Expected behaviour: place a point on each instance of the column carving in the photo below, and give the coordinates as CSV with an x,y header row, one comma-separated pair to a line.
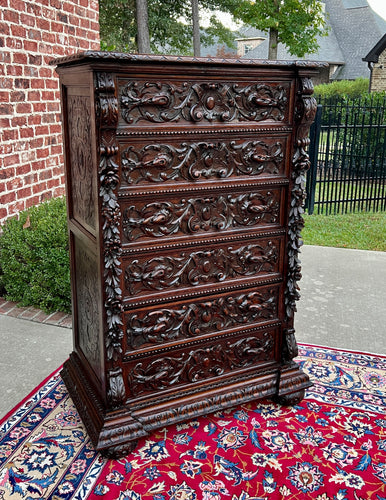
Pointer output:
x,y
304,116
107,115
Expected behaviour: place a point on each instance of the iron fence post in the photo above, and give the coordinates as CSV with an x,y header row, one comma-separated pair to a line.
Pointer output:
x,y
313,153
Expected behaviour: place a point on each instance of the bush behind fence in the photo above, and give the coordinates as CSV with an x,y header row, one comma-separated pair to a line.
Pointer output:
x,y
348,155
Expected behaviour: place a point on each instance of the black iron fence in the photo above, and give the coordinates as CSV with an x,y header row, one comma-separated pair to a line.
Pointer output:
x,y
348,156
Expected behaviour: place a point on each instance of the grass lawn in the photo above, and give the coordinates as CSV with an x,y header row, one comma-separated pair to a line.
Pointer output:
x,y
364,231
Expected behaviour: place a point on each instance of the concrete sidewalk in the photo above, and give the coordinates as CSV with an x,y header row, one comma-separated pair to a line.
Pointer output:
x,y
343,299
343,305
30,352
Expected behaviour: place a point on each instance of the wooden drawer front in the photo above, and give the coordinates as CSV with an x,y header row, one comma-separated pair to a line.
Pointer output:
x,y
148,102
183,215
152,272
198,364
148,327
167,160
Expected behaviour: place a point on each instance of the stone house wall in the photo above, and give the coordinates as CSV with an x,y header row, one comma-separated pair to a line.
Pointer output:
x,y
378,75
33,32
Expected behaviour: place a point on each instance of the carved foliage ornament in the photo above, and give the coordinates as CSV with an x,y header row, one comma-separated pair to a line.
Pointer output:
x,y
191,216
200,267
290,347
168,324
199,364
159,162
305,113
107,112
160,102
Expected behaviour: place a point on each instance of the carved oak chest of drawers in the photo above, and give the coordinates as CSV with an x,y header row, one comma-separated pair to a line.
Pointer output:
x,y
185,187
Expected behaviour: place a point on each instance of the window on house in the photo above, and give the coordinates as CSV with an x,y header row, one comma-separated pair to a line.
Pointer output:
x,y
247,48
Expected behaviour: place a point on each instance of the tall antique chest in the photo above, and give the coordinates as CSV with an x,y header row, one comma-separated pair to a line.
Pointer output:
x,y
185,191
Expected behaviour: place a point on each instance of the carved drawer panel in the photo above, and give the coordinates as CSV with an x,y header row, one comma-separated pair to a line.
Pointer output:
x,y
181,269
178,102
148,327
166,160
204,362
185,214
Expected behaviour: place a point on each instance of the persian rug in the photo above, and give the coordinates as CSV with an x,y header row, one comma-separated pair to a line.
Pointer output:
x,y
332,446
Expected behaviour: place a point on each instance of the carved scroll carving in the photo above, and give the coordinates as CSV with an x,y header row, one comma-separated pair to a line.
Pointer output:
x,y
200,267
199,364
160,102
116,390
304,115
168,324
160,162
197,215
290,347
107,114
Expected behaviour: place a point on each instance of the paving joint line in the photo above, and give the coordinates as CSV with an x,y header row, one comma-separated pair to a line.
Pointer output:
x,y
9,308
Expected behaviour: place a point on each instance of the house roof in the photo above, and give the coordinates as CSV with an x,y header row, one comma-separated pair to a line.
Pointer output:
x,y
354,29
357,29
329,50
376,51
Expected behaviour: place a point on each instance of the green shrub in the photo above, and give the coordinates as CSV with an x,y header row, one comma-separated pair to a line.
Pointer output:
x,y
364,137
342,88
34,258
358,120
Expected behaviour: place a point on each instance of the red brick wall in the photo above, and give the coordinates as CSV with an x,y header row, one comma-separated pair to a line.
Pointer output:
x,y
32,32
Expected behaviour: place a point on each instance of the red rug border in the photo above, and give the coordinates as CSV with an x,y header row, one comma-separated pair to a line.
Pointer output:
x,y
29,396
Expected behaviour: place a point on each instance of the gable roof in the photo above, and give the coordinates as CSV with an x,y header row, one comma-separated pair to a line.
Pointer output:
x,y
357,29
376,51
353,29
329,50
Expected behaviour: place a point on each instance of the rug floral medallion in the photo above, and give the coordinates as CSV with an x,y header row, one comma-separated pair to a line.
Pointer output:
x,y
332,446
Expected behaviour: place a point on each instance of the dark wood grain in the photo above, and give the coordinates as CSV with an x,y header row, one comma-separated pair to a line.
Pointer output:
x,y
185,186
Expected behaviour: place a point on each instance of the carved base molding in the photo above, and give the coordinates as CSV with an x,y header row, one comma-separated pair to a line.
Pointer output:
x,y
110,432
115,434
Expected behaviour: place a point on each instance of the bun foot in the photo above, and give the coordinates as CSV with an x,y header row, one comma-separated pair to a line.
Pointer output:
x,y
291,399
115,452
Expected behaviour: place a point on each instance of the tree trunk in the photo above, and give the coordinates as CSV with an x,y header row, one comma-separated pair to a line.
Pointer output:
x,y
272,50
143,37
196,29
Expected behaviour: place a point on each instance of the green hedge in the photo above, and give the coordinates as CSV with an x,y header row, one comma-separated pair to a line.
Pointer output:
x,y
342,88
34,258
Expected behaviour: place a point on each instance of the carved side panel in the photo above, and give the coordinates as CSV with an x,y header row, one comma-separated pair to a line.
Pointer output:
x,y
200,317
190,216
191,268
87,304
208,361
83,181
161,161
212,102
